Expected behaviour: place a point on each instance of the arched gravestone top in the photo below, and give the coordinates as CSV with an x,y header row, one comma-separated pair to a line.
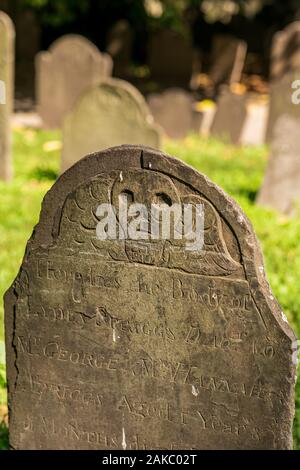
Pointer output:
x,y
144,345
72,64
113,112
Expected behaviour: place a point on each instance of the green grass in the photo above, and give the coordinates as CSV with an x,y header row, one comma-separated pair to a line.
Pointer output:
x,y
239,171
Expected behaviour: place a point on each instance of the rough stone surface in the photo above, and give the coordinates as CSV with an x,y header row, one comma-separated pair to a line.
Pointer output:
x,y
173,111
170,58
228,58
230,116
142,344
71,65
281,187
111,113
7,39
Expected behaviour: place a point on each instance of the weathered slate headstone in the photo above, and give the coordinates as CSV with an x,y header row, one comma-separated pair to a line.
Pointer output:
x,y
142,344
7,39
170,58
110,113
71,65
173,111
228,58
230,116
119,47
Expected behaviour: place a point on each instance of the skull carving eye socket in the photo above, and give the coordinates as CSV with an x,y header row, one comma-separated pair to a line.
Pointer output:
x,y
162,198
144,187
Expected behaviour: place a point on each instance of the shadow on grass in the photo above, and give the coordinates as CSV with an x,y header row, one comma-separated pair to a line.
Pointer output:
x,y
42,174
250,195
3,436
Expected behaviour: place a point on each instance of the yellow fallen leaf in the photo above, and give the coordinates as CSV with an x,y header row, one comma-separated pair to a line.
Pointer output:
x,y
52,145
204,105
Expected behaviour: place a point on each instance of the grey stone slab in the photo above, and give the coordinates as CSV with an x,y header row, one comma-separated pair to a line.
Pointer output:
x,y
142,344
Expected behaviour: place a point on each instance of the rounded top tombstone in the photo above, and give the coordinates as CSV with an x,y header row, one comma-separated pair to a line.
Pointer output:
x,y
73,41
72,64
112,112
131,342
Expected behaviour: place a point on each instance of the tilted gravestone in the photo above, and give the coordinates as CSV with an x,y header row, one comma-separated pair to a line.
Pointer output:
x,y
170,58
7,39
228,58
281,189
230,116
110,113
141,343
71,65
173,111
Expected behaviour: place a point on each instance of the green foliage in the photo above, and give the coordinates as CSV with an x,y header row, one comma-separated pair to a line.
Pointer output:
x,y
238,170
35,171
3,435
57,12
3,399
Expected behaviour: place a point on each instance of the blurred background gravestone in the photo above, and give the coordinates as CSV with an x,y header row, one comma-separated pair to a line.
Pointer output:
x,y
281,187
170,58
255,125
285,59
203,115
173,111
71,65
119,47
285,54
108,114
7,39
227,60
230,115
